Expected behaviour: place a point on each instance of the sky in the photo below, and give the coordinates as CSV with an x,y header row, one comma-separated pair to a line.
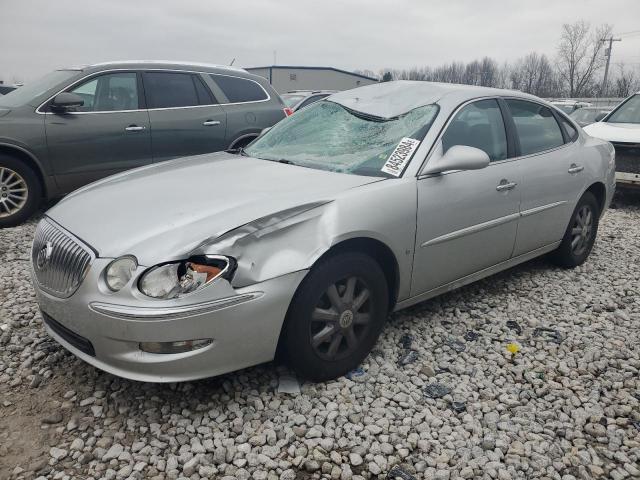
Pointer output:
x,y
37,36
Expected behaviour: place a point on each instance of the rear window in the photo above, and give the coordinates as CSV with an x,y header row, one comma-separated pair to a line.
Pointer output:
x,y
239,90
167,90
536,126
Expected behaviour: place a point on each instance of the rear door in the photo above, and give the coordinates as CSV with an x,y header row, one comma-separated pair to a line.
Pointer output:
x,y
108,134
185,116
552,173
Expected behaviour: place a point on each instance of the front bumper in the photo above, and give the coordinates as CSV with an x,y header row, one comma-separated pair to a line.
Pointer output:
x,y
105,329
627,163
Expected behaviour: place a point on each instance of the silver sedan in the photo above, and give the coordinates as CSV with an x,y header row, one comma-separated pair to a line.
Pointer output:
x,y
364,203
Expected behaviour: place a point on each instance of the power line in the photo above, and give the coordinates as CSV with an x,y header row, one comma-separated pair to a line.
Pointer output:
x,y
633,32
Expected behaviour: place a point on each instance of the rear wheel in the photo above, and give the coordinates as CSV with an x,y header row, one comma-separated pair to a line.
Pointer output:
x,y
20,191
580,235
336,316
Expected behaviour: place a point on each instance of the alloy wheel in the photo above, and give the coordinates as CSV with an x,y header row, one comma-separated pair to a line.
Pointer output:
x,y
341,319
582,230
13,192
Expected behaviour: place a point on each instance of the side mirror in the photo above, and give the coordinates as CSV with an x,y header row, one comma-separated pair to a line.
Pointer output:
x,y
458,157
65,101
600,116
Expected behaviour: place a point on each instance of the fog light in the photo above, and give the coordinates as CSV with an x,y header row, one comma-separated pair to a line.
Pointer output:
x,y
175,347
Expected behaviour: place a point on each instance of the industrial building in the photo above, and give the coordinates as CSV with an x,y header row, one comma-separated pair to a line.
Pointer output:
x,y
287,78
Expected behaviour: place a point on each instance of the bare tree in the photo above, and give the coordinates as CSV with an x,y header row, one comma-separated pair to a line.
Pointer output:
x,y
580,56
626,82
534,74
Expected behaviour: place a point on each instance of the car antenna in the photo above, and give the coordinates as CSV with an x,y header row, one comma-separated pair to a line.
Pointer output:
x,y
234,59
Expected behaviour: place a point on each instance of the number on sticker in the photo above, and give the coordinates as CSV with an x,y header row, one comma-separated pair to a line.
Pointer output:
x,y
400,156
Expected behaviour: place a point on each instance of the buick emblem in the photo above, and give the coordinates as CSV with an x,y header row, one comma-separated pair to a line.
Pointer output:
x,y
44,255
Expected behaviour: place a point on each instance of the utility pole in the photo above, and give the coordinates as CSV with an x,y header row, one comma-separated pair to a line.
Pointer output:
x,y
607,52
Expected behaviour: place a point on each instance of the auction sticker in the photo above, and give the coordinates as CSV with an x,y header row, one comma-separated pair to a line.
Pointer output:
x,y
400,156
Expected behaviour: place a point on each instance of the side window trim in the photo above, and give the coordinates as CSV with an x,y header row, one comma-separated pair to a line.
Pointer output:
x,y
513,141
42,109
142,96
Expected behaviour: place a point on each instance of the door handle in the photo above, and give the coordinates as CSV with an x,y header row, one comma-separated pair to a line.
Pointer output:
x,y
210,123
134,128
575,168
506,185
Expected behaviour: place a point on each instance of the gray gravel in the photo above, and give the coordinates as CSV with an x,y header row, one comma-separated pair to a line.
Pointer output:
x,y
567,406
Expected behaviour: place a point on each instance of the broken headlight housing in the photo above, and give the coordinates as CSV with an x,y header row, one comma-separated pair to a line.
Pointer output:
x,y
177,279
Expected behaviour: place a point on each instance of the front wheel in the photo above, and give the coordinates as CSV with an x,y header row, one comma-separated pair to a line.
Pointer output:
x,y
581,233
336,316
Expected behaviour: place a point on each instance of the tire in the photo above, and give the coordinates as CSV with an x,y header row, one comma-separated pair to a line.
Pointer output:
x,y
580,235
16,204
325,306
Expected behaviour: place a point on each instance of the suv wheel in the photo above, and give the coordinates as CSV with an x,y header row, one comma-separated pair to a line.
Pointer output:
x,y
581,233
336,316
20,191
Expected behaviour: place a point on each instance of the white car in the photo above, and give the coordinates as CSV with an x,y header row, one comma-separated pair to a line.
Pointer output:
x,y
622,128
570,106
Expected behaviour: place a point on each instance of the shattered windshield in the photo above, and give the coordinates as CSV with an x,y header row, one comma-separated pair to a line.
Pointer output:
x,y
328,136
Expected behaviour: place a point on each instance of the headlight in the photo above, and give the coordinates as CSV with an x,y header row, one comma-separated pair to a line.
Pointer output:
x,y
119,272
173,280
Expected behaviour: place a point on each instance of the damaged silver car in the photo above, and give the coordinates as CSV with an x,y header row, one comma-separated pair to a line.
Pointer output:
x,y
364,203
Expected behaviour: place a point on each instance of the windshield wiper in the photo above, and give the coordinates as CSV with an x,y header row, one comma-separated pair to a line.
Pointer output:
x,y
282,160
237,151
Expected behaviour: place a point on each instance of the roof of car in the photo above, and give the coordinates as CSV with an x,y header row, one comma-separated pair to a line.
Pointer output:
x,y
390,99
156,64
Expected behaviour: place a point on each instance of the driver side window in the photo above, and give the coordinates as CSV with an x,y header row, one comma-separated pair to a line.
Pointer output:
x,y
478,125
109,93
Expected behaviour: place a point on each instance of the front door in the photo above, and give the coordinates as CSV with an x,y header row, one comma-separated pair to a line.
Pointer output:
x,y
552,174
185,118
108,134
467,220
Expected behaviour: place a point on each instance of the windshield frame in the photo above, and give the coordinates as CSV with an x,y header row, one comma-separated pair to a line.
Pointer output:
x,y
419,135
31,92
631,97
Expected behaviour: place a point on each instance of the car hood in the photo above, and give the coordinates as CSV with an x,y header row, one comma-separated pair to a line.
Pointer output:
x,y
162,212
614,132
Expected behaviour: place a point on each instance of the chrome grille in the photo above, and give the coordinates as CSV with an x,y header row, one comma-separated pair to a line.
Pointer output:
x,y
60,262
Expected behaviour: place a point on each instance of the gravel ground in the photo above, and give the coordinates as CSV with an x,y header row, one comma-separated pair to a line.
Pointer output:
x,y
566,406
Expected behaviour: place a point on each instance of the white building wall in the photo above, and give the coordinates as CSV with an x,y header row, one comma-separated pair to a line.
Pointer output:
x,y
286,79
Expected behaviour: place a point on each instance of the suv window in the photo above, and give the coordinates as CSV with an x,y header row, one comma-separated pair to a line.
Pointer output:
x,y
536,126
479,125
108,93
169,89
240,90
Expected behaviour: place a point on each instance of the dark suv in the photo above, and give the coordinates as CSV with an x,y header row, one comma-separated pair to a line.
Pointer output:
x,y
77,125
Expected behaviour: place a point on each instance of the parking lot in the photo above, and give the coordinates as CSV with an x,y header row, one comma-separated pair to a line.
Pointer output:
x,y
567,405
